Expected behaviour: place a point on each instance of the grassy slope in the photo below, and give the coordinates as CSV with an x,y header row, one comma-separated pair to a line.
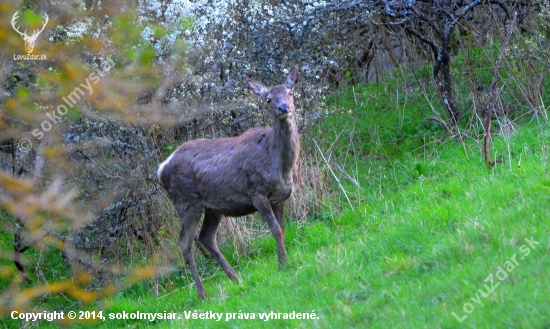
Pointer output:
x,y
429,225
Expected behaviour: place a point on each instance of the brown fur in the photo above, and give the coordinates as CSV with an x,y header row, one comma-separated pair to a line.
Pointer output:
x,y
235,177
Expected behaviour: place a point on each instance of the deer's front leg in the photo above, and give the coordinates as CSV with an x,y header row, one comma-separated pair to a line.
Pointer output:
x,y
261,203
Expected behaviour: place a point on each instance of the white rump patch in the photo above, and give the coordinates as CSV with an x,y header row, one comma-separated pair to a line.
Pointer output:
x,y
161,167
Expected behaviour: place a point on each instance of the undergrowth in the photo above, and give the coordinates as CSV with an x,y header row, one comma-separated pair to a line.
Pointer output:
x,y
423,231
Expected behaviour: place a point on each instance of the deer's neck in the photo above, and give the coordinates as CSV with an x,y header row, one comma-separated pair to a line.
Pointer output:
x,y
286,143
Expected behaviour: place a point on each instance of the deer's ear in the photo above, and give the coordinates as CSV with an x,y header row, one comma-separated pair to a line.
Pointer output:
x,y
258,88
292,78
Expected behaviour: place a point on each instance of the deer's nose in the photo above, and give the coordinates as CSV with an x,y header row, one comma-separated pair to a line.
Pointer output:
x,y
283,109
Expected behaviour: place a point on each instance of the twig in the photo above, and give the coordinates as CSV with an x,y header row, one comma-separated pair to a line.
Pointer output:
x,y
493,92
333,175
351,179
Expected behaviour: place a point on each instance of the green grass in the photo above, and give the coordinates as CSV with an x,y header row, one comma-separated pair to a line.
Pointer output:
x,y
431,223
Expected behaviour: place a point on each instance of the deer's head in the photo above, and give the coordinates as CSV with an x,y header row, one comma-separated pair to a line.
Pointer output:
x,y
29,40
280,98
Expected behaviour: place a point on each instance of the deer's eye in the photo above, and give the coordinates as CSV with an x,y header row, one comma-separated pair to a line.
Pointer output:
x,y
267,100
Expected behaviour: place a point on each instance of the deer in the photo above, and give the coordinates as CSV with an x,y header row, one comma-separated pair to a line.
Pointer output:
x,y
29,40
236,176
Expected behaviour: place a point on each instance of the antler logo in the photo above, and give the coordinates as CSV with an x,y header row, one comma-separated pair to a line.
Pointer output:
x,y
29,40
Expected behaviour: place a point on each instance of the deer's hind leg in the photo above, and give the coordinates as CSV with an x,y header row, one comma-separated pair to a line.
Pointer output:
x,y
190,216
207,238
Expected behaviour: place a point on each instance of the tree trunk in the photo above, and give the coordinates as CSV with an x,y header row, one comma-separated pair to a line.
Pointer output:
x,y
443,81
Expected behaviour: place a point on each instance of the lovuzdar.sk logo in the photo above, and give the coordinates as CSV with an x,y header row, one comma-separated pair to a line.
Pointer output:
x,y
29,39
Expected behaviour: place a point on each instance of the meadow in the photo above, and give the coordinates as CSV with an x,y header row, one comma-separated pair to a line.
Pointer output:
x,y
426,235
